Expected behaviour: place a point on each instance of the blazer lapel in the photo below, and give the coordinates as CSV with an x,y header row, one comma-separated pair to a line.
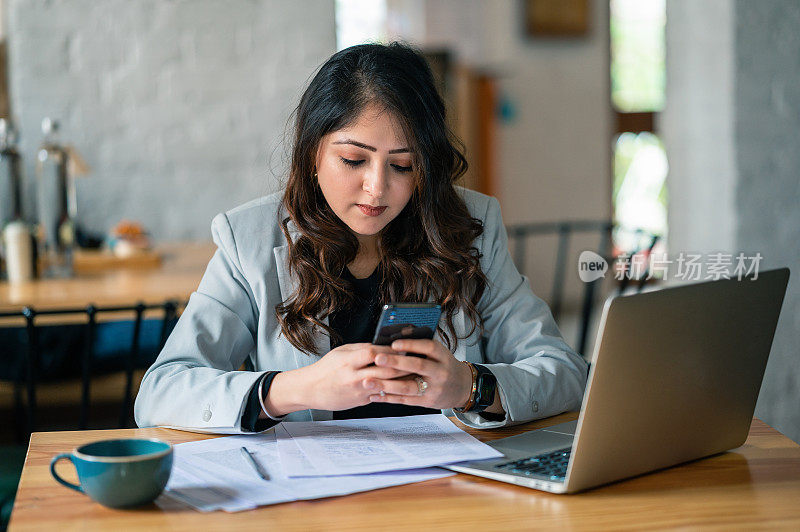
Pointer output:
x,y
288,284
460,326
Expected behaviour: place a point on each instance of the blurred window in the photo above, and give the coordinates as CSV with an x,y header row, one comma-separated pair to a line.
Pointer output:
x,y
640,192
637,94
359,21
637,55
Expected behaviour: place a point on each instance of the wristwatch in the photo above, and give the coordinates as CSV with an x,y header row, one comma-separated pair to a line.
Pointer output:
x,y
484,385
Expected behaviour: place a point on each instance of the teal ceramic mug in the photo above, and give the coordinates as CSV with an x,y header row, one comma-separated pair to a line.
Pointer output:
x,y
119,473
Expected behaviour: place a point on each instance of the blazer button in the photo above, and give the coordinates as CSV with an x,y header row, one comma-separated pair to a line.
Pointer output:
x,y
536,406
206,415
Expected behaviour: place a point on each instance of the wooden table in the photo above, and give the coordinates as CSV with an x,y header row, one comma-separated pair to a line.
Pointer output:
x,y
177,277
754,486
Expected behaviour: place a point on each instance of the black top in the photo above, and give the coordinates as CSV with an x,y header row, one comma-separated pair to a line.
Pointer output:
x,y
354,325
357,325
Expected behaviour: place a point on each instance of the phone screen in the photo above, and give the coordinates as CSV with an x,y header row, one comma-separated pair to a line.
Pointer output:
x,y
407,321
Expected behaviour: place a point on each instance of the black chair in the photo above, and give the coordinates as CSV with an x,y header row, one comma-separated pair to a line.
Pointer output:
x,y
520,234
29,362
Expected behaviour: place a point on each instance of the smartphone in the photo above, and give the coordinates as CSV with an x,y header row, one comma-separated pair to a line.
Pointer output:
x,y
400,321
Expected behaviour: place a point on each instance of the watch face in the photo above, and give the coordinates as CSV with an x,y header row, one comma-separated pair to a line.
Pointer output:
x,y
486,388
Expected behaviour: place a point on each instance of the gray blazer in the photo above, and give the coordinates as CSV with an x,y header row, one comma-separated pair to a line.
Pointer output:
x,y
195,385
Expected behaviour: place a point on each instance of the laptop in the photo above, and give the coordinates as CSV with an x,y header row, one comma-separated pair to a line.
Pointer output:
x,y
675,377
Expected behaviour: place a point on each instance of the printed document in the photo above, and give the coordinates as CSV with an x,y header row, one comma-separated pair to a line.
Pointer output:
x,y
356,446
213,475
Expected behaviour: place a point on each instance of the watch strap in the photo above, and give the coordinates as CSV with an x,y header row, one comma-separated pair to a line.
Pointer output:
x,y
485,389
472,394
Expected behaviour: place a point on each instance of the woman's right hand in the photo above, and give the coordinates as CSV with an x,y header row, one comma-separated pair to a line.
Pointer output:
x,y
337,381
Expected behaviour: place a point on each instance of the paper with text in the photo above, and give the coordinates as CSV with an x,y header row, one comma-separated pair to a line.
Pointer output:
x,y
213,475
357,446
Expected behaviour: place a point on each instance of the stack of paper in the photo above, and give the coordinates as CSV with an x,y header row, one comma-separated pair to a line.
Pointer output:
x,y
310,460
352,446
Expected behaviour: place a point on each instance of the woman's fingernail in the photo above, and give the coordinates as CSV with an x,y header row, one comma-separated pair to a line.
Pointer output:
x,y
370,384
380,359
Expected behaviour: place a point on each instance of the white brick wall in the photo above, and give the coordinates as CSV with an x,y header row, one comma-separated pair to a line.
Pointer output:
x,y
179,107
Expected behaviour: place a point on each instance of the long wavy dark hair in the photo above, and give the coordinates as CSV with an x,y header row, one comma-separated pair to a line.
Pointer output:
x,y
426,251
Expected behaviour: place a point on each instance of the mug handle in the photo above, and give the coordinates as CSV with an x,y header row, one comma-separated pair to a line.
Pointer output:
x,y
63,456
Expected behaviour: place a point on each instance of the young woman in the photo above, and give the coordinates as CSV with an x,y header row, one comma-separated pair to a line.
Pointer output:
x,y
369,215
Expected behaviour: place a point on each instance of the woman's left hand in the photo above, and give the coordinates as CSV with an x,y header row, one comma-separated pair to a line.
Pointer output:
x,y
449,381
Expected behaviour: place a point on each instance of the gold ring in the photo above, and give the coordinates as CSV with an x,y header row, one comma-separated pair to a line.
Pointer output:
x,y
421,385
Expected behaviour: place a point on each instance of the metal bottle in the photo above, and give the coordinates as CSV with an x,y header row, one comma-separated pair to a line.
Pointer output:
x,y
10,175
10,189
55,205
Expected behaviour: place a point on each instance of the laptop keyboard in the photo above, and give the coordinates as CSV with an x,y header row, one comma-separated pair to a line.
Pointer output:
x,y
552,465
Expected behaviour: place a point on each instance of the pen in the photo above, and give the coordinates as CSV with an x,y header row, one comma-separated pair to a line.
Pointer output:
x,y
252,461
